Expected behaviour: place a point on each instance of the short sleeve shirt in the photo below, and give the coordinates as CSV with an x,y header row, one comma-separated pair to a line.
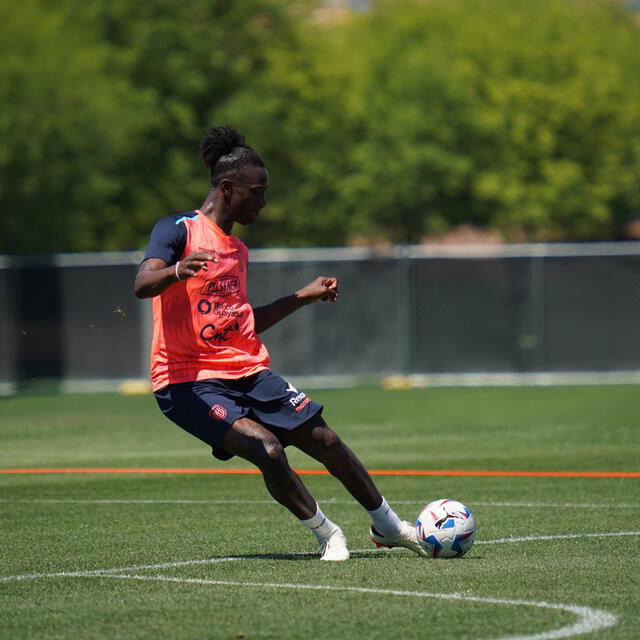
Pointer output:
x,y
203,327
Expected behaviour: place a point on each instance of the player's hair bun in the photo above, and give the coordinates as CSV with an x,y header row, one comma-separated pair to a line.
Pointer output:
x,y
218,142
225,152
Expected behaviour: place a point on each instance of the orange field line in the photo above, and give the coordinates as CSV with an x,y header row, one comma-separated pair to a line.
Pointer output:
x,y
322,472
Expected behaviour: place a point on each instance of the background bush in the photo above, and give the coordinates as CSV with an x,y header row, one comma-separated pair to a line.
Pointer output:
x,y
390,123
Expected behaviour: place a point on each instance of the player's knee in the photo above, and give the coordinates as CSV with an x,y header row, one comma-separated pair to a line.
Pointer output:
x,y
327,444
268,454
272,452
331,440
256,445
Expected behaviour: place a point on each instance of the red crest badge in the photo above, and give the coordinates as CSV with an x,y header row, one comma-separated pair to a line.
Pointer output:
x,y
218,412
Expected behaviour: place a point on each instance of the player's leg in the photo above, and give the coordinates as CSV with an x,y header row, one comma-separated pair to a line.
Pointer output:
x,y
253,442
320,442
209,411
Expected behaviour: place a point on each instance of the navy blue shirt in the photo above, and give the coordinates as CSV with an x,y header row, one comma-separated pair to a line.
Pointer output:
x,y
169,238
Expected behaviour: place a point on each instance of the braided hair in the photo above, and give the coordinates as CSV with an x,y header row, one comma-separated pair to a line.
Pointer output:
x,y
225,153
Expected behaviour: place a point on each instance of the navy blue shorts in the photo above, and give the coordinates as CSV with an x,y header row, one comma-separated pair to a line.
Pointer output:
x,y
208,408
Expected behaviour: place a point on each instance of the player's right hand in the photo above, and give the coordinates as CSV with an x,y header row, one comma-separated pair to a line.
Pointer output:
x,y
193,263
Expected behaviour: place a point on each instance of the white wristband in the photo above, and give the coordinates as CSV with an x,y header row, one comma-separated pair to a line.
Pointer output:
x,y
176,270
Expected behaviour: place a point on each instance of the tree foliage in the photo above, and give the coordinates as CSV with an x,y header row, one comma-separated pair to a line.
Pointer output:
x,y
391,123
65,123
417,116
106,102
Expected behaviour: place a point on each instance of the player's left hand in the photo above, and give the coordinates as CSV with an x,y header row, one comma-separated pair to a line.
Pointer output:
x,y
322,288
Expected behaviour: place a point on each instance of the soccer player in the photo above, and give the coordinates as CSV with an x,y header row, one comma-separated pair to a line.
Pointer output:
x,y
209,369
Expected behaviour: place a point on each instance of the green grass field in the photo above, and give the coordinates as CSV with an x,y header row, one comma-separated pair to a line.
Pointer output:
x,y
211,556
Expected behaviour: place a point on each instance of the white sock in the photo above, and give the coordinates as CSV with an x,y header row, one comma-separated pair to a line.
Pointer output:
x,y
321,527
385,520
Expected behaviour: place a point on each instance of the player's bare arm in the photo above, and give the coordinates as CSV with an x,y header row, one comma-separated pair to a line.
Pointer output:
x,y
322,288
155,275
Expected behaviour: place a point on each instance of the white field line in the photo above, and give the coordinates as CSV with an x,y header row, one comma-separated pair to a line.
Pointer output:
x,y
97,572
560,505
185,563
589,620
529,505
565,536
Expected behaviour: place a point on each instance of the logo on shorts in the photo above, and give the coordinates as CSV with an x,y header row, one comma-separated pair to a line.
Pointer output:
x,y
218,412
300,401
303,404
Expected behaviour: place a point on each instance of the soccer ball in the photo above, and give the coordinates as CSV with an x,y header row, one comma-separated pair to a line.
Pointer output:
x,y
446,529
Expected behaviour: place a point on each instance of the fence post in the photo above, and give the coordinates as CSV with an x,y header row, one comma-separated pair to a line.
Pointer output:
x,y
406,309
538,321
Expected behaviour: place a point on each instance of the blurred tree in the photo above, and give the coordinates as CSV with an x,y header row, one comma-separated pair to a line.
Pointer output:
x,y
416,116
105,103
191,56
390,123
65,121
296,114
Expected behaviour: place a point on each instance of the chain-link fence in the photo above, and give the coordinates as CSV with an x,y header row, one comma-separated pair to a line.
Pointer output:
x,y
481,314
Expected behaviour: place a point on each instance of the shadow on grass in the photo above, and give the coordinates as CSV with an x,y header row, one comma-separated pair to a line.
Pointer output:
x,y
306,556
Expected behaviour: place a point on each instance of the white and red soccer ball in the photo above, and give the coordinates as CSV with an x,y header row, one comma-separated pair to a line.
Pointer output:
x,y
446,529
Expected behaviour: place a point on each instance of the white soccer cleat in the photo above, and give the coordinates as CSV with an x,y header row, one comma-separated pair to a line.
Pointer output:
x,y
334,549
407,538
